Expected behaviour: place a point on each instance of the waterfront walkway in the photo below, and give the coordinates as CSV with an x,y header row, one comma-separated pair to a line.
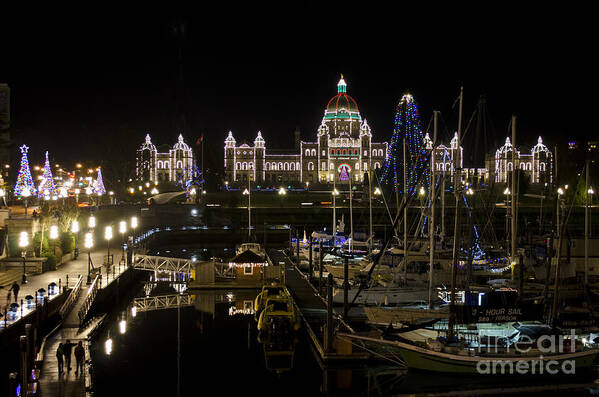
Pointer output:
x,y
72,269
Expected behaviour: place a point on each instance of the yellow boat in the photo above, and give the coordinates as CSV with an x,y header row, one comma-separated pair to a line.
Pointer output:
x,y
268,291
278,319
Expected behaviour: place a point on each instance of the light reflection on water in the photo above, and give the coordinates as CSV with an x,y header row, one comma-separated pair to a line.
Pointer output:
x,y
206,341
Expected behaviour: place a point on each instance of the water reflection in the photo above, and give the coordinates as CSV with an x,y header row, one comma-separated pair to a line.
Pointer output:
x,y
170,341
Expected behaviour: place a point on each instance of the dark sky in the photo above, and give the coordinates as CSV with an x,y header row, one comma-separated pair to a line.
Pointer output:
x,y
90,87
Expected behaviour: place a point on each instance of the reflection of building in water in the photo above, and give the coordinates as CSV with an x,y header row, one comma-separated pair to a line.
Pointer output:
x,y
237,303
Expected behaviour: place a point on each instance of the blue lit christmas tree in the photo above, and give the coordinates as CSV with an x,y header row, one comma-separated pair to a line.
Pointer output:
x,y
24,182
407,125
47,186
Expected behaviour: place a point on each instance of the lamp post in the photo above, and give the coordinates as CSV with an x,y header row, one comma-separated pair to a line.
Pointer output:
x,y
75,231
54,236
507,211
108,237
26,193
23,243
123,230
91,223
133,227
89,243
335,193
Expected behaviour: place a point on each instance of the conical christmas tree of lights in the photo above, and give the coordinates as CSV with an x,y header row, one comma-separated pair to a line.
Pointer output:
x,y
99,185
24,180
47,186
407,125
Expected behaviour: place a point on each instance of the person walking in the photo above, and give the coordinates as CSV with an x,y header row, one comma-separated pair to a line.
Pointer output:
x,y
79,358
59,354
67,348
15,290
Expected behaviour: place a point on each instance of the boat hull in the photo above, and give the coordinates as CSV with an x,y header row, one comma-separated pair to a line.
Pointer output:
x,y
563,364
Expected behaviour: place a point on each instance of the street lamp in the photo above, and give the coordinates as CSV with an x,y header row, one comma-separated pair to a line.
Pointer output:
x,y
377,191
89,243
282,191
75,231
92,222
123,230
54,236
23,243
108,237
469,192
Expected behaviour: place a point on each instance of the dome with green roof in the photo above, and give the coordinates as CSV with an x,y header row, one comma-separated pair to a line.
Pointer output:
x,y
342,106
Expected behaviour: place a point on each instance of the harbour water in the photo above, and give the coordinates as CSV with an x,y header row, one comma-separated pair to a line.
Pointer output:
x,y
208,344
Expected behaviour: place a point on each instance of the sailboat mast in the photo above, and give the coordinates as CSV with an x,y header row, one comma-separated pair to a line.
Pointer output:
x,y
351,216
457,187
514,199
370,209
586,225
334,214
405,214
249,205
431,232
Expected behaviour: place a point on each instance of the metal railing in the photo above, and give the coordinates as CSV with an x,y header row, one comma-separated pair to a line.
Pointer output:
x,y
95,286
162,302
72,299
161,263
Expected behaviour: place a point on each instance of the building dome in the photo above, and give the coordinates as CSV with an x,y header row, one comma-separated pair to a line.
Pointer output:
x,y
342,106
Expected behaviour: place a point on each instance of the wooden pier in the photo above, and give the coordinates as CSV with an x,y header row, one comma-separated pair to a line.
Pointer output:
x,y
317,315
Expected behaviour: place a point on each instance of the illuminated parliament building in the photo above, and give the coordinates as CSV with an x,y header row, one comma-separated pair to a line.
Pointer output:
x,y
343,142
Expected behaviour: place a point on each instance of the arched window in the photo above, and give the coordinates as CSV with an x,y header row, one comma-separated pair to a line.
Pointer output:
x,y
331,166
307,152
365,167
291,167
179,164
238,166
344,152
159,164
332,151
313,152
323,166
297,165
542,167
338,152
267,166
250,166
280,166
357,166
509,167
529,166
310,166
377,165
522,166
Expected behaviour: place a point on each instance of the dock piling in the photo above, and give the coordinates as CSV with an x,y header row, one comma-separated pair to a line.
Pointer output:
x,y
345,287
310,261
320,267
329,335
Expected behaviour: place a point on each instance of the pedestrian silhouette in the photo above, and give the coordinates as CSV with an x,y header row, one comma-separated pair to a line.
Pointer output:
x,y
15,290
79,358
67,348
59,354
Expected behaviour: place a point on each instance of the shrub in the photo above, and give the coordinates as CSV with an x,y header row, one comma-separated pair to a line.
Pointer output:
x,y
36,243
67,242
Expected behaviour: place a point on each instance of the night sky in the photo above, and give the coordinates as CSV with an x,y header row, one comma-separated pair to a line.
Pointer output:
x,y
91,87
